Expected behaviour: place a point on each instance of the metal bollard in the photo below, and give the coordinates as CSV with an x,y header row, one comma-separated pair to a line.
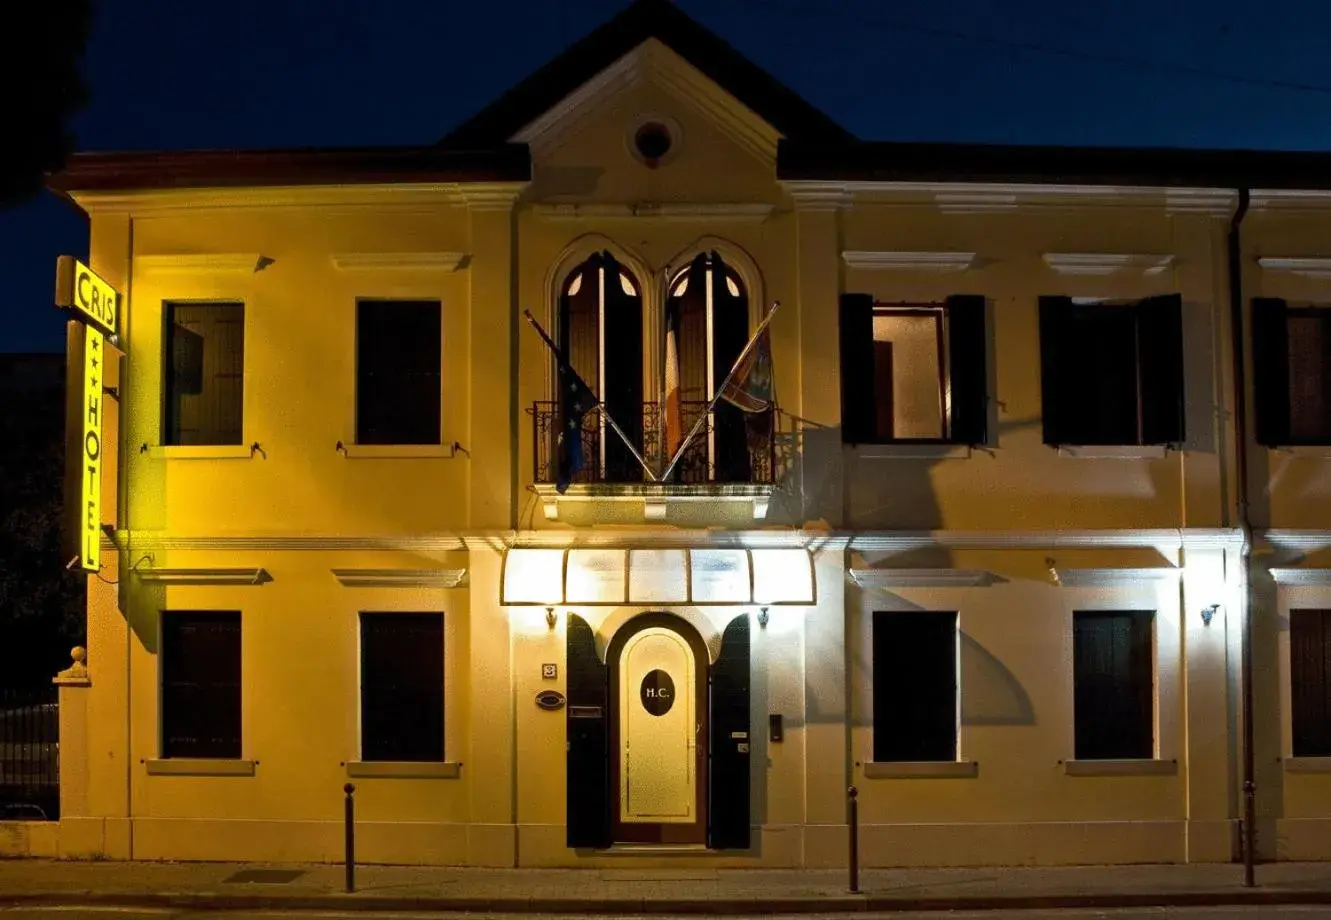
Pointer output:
x,y
350,790
853,824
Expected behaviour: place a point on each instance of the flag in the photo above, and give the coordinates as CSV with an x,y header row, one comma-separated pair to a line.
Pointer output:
x,y
575,400
674,409
750,389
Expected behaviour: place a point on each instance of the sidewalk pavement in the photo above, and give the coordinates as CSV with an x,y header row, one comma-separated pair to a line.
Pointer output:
x,y
221,886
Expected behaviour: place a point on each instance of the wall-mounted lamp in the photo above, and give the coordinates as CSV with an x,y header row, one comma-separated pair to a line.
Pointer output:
x,y
1208,613
763,618
1053,571
550,619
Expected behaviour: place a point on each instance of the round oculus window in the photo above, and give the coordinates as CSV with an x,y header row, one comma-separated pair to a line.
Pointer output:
x,y
652,141
657,692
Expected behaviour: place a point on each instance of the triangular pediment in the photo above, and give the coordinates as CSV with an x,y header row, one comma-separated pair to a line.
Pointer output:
x,y
652,40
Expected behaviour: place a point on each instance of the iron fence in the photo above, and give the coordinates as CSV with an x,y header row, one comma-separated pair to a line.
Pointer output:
x,y
29,754
729,447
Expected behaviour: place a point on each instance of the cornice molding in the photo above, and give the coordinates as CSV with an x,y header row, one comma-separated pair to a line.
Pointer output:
x,y
740,212
1266,199
407,196
933,262
218,576
1116,578
1301,578
1295,540
1107,263
996,197
491,196
398,261
1308,266
196,264
921,578
401,578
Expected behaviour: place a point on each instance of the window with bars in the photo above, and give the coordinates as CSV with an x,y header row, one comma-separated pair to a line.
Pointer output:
x,y
204,374
1310,681
402,687
398,372
1113,671
200,693
914,686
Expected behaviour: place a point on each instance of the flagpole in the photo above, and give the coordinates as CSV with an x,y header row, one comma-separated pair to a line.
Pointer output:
x,y
679,452
600,405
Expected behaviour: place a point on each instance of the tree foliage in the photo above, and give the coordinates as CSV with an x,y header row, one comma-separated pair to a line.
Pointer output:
x,y
41,87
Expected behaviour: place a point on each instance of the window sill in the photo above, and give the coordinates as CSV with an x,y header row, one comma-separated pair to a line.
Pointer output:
x,y
907,451
1308,764
393,769
922,769
397,451
1120,767
200,766
1113,452
1305,452
201,452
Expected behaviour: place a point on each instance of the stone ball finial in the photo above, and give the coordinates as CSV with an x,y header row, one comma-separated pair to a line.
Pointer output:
x,y
79,654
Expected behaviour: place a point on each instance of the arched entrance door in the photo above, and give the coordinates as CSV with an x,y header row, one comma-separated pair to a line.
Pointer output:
x,y
658,731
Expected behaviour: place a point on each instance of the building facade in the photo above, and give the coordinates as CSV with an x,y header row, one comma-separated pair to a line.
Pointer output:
x,y
988,561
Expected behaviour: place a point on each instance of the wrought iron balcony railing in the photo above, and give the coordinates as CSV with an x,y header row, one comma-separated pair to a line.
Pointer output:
x,y
730,447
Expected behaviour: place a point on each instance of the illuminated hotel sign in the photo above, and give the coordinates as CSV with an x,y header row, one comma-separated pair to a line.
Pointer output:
x,y
95,308
94,301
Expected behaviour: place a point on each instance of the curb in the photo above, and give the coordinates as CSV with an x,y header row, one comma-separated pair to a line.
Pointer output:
x,y
863,903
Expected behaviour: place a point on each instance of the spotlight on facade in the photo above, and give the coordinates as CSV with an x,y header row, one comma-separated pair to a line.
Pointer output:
x,y
763,618
550,618
1208,613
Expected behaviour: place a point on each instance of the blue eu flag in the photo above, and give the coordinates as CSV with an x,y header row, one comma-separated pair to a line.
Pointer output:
x,y
575,401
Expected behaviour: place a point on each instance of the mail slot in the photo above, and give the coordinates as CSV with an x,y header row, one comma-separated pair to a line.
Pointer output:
x,y
584,712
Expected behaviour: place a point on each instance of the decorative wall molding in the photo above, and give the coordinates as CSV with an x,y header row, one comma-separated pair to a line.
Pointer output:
x,y
399,261
401,578
655,499
1296,540
1107,263
1116,578
197,264
921,578
1000,197
221,576
1303,578
939,262
1307,266
1290,199
738,212
946,769
491,196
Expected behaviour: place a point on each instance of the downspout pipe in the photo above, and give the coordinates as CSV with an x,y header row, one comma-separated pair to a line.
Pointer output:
x,y
1249,824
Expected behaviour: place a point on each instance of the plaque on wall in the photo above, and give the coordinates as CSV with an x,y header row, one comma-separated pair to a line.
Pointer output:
x,y
550,700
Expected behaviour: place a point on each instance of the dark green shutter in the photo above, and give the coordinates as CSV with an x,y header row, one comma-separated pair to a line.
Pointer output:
x,y
968,351
914,686
1113,686
1160,364
588,757
858,414
1057,394
622,390
1270,370
1310,681
729,745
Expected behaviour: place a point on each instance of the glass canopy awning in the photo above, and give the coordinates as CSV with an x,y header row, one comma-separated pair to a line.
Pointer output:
x,y
590,577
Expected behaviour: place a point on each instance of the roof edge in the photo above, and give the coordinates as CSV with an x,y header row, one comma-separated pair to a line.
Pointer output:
x,y
164,169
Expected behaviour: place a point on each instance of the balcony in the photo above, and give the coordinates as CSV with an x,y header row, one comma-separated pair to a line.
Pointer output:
x,y
729,459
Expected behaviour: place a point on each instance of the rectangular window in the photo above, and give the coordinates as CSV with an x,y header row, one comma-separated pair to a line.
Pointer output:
x,y
1112,374
200,668
914,686
402,686
1292,371
205,374
1113,672
398,371
914,372
1310,681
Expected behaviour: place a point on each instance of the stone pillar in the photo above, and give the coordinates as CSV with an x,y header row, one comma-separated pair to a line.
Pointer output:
x,y
826,713
75,837
489,767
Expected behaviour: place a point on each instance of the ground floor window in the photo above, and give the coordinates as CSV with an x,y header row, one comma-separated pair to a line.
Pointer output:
x,y
914,686
1113,673
402,686
200,668
1310,681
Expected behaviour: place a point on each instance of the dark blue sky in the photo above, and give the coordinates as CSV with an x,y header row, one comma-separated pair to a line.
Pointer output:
x,y
269,73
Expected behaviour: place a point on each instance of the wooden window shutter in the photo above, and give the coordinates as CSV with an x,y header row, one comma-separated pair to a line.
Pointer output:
x,y
729,768
914,686
1160,364
398,372
1270,370
201,693
1310,681
402,686
588,796
858,410
968,350
1057,395
1113,679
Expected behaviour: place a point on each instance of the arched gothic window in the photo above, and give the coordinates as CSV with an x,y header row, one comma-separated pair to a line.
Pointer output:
x,y
600,329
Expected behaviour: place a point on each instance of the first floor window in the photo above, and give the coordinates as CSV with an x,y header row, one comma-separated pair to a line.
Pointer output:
x,y
913,372
1292,373
1310,681
1112,374
205,374
402,686
1113,671
914,686
200,671
398,372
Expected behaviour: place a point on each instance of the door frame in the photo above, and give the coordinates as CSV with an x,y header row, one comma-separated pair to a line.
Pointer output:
x,y
665,832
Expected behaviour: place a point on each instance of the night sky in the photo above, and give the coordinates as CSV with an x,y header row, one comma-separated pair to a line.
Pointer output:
x,y
273,73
